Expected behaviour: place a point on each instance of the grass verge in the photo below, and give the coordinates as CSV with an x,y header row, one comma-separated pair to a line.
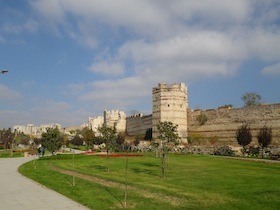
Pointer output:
x,y
191,182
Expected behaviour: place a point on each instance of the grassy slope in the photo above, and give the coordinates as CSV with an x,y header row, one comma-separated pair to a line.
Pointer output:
x,y
191,182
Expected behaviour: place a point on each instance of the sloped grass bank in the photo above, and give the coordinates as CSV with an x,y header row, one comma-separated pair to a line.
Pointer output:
x,y
191,182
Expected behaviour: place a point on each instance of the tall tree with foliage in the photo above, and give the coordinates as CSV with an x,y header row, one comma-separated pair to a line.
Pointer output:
x,y
264,137
251,99
77,140
168,136
148,134
108,136
7,138
21,138
244,136
120,141
88,136
52,139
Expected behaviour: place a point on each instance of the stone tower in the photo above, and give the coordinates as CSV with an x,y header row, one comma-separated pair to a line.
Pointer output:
x,y
170,103
115,118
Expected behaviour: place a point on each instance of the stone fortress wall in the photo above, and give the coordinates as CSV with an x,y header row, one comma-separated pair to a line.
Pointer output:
x,y
33,130
223,123
170,103
138,124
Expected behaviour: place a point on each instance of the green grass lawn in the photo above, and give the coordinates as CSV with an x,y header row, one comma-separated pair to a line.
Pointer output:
x,y
7,154
191,182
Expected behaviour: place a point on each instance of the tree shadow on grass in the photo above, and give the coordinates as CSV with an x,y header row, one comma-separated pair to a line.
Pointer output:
x,y
99,167
114,196
150,165
69,180
145,171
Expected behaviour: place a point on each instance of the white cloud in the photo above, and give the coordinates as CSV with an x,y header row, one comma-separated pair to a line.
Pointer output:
x,y
117,93
74,89
208,11
142,42
273,70
9,118
12,28
30,26
8,94
109,69
52,10
45,111
50,111
264,44
2,40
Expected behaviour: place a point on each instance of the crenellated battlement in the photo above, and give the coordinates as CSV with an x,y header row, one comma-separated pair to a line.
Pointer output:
x,y
177,87
136,115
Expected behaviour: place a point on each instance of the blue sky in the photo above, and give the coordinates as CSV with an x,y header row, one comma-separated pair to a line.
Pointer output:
x,y
70,59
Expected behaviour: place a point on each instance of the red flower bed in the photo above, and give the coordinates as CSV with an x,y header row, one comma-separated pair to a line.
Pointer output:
x,y
120,155
89,153
112,154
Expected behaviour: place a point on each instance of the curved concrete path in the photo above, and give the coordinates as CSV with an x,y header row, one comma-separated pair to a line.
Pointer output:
x,y
19,192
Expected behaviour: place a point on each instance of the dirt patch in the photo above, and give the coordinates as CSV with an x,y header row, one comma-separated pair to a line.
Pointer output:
x,y
145,193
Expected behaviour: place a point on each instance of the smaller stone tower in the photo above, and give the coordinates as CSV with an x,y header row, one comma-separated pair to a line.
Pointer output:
x,y
170,103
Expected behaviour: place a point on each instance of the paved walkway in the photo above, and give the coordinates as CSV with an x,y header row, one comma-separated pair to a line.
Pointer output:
x,y
19,192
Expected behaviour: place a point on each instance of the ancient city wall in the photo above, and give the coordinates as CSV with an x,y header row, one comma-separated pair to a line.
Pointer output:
x,y
138,124
170,103
223,123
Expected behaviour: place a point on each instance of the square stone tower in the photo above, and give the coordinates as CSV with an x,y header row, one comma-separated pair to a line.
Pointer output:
x,y
115,118
170,103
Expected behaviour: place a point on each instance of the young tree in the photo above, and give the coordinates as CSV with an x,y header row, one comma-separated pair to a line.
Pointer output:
x,y
52,139
251,99
108,136
264,137
244,136
168,136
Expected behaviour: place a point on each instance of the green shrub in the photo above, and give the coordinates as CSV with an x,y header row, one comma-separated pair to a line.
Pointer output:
x,y
196,139
224,151
202,119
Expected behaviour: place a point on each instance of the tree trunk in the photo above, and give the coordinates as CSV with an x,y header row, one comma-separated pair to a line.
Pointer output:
x,y
126,168
107,160
73,167
163,164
